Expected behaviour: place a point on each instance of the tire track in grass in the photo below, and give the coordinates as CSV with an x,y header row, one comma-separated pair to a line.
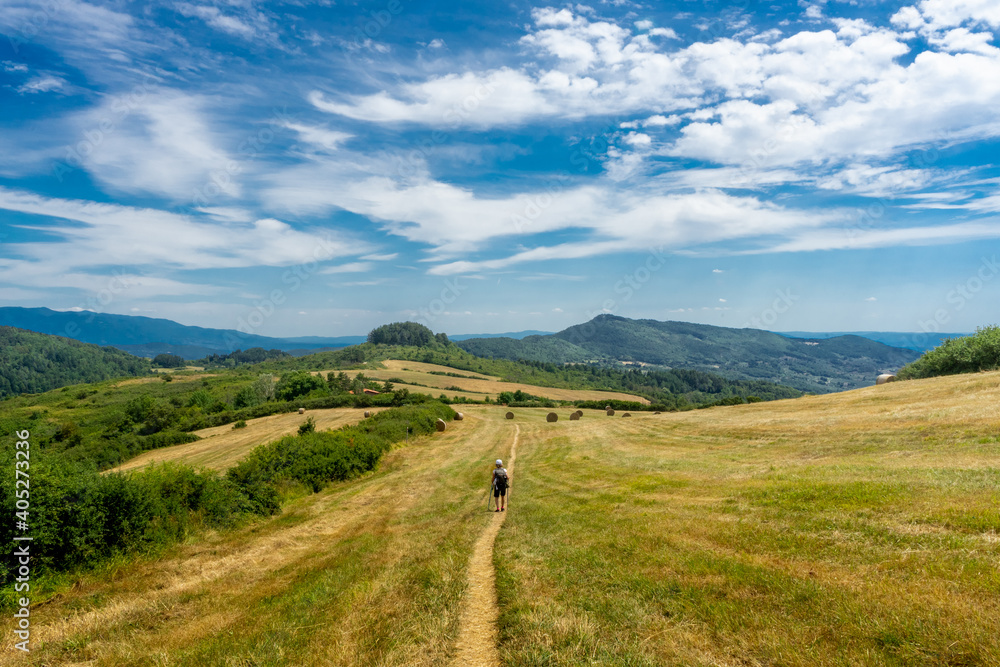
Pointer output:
x,y
477,636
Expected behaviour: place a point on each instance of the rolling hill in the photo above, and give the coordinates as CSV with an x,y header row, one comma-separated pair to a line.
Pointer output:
x,y
32,362
150,336
816,365
856,528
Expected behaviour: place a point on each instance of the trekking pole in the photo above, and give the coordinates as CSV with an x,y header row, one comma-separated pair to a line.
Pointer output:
x,y
489,497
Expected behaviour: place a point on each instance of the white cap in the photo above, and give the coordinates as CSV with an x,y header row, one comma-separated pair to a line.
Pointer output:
x,y
499,463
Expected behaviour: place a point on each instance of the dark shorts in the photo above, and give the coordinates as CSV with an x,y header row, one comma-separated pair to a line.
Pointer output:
x,y
499,492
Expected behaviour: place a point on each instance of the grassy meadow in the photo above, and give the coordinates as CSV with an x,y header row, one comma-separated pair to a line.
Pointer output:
x,y
420,377
858,528
221,447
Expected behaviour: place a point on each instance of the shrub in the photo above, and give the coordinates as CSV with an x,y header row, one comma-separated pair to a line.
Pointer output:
x,y
968,354
240,424
298,383
308,426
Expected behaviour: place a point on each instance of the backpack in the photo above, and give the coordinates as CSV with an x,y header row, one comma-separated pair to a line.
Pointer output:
x,y
500,478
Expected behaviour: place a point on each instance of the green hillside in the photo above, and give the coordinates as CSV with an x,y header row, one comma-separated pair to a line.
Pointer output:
x,y
666,388
32,362
833,364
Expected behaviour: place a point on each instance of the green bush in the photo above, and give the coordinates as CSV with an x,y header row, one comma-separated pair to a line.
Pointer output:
x,y
968,354
240,424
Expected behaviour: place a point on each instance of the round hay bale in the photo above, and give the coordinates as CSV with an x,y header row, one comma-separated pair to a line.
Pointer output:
x,y
656,413
575,417
607,407
509,415
441,426
459,416
579,412
627,414
551,417
368,413
302,411
611,412
885,377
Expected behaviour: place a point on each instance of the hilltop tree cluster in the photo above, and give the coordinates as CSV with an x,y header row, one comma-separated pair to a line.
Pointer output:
x,y
405,333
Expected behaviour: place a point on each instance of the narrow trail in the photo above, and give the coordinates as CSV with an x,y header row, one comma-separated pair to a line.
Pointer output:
x,y
477,637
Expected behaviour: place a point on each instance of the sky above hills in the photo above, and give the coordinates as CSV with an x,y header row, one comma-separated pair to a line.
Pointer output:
x,y
311,168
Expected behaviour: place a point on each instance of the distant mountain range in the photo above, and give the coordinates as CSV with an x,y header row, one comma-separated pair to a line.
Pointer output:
x,y
817,365
148,336
921,342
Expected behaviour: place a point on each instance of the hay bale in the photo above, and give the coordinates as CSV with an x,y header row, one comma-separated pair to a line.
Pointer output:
x,y
579,412
885,377
302,411
607,407
459,416
509,415
627,414
575,417
441,426
368,413
656,413
551,417
611,412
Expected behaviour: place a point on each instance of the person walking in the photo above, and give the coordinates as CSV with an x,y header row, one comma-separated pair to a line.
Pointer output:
x,y
501,481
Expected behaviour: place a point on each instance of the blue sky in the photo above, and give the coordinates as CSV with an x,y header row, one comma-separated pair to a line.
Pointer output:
x,y
312,168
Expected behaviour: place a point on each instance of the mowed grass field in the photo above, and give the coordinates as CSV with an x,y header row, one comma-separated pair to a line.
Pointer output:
x,y
222,447
418,377
850,529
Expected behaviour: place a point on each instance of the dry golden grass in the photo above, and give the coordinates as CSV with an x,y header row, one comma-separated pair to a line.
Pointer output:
x,y
419,373
222,447
849,529
369,572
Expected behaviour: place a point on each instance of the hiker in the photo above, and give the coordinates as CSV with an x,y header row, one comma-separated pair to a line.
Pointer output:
x,y
501,480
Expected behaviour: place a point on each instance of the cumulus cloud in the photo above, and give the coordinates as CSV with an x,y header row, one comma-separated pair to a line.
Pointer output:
x,y
812,96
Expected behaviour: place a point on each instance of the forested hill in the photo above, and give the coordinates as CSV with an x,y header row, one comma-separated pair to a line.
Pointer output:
x,y
833,364
32,362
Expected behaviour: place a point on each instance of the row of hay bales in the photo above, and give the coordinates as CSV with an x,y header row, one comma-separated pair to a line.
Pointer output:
x,y
553,417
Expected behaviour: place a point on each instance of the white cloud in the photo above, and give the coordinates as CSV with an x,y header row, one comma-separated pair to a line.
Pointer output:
x,y
932,15
319,137
350,267
250,25
163,145
42,84
91,236
811,97
871,298
436,44
717,271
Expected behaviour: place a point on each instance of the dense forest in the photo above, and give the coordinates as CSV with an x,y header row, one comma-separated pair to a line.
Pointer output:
x,y
254,355
32,362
